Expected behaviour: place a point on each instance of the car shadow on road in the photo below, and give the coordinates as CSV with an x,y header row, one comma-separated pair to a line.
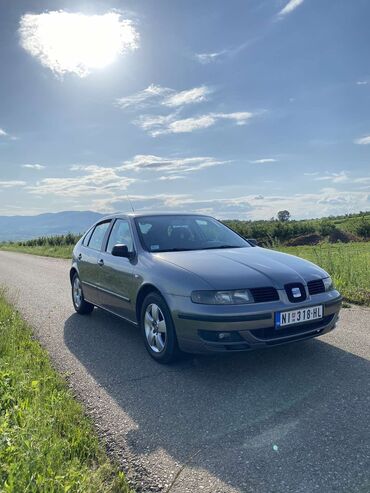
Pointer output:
x,y
292,418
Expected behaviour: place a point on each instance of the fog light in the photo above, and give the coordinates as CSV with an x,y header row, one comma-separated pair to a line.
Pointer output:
x,y
220,337
224,335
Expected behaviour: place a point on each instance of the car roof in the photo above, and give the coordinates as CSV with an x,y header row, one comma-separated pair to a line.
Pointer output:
x,y
149,213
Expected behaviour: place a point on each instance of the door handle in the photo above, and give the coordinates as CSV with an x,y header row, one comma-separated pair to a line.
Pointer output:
x,y
80,256
101,262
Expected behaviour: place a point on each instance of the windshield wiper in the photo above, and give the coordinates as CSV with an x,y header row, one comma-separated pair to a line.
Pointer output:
x,y
221,246
172,250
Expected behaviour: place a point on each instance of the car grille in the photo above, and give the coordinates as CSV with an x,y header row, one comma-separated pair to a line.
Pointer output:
x,y
261,295
316,287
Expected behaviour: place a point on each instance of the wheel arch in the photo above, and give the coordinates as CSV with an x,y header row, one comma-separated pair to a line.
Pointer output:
x,y
72,272
142,294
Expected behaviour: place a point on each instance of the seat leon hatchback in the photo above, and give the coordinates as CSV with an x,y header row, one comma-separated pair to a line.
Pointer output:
x,y
192,284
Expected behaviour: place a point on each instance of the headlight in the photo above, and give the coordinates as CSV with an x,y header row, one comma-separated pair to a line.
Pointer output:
x,y
237,297
328,283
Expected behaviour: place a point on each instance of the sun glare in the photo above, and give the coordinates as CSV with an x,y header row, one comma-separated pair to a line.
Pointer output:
x,y
77,43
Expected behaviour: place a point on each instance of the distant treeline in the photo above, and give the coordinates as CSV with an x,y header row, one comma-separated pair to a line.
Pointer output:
x,y
52,241
340,228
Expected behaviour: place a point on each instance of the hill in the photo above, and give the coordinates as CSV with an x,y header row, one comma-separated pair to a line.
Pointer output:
x,y
16,228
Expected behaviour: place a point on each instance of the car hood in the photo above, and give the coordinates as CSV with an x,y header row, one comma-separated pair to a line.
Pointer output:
x,y
237,268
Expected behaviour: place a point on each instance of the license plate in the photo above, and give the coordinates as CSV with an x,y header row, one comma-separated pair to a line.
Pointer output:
x,y
282,319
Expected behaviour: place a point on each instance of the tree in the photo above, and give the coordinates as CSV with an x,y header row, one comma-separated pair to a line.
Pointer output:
x,y
283,216
326,227
363,228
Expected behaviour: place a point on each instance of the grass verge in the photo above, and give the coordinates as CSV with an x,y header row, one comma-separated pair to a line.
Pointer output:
x,y
63,251
47,444
347,263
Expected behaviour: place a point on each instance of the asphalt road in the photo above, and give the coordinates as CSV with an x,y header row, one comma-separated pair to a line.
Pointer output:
x,y
288,419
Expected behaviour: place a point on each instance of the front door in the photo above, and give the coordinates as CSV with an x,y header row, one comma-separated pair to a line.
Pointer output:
x,y
117,273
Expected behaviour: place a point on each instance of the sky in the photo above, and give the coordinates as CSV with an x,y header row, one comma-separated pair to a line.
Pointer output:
x,y
237,109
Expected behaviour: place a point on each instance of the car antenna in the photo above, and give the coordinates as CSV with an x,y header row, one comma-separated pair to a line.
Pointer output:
x,y
132,207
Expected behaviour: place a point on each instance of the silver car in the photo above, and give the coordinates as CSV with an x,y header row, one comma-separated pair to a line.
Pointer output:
x,y
191,284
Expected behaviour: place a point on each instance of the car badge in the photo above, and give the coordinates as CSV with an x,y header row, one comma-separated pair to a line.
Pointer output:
x,y
296,292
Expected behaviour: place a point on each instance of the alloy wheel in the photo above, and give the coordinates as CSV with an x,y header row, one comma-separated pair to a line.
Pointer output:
x,y
155,328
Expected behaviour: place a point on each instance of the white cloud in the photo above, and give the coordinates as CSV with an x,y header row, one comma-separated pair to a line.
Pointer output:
x,y
340,177
171,177
74,42
362,179
172,123
157,95
264,160
190,96
96,181
169,124
12,183
3,133
187,125
205,58
363,140
151,95
154,124
362,82
289,7
176,165
37,167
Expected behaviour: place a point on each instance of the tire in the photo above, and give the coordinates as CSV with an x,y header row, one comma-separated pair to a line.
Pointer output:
x,y
158,329
80,305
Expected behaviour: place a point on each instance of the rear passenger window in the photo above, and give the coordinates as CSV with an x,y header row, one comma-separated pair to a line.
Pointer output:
x,y
96,240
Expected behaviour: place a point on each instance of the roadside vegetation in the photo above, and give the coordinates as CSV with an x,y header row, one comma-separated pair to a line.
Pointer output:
x,y
47,444
345,229
340,245
348,264
60,246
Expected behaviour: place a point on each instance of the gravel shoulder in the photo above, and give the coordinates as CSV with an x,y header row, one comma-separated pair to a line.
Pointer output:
x,y
291,419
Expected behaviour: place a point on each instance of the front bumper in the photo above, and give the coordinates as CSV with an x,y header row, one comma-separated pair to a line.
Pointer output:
x,y
251,326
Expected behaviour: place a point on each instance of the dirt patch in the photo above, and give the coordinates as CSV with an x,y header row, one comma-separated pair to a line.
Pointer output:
x,y
309,239
342,236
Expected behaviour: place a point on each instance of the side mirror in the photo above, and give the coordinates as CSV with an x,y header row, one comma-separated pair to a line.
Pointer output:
x,y
121,251
252,241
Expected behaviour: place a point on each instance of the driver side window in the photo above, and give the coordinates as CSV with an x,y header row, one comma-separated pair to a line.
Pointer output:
x,y
120,235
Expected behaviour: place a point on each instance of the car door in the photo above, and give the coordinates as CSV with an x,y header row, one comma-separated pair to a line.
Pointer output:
x,y
88,266
117,273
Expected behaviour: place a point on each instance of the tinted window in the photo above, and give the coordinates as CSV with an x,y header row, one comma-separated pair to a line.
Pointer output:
x,y
165,233
120,235
96,240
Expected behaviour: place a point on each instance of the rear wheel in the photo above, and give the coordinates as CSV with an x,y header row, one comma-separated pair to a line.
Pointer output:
x,y
158,329
80,305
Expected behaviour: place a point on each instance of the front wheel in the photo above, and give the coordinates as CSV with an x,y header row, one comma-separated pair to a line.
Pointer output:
x,y
158,329
80,305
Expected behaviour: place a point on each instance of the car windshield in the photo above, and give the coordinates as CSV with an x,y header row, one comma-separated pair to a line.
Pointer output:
x,y
179,233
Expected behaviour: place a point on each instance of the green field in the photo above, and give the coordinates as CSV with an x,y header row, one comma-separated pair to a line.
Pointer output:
x,y
347,263
47,444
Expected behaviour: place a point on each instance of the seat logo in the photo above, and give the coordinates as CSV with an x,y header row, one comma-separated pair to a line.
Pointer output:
x,y
296,293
